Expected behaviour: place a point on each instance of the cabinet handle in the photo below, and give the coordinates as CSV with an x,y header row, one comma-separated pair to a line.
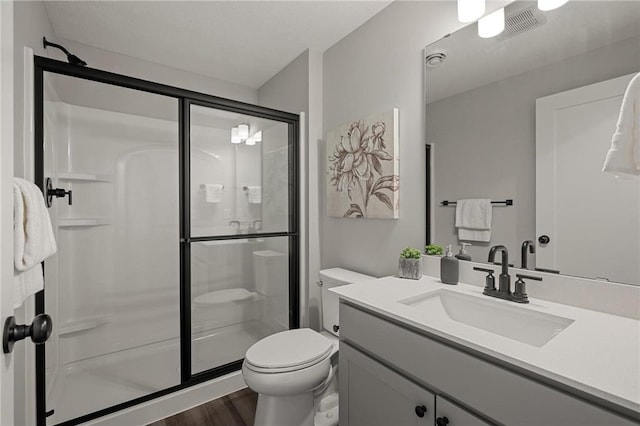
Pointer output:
x,y
336,328
442,421
420,410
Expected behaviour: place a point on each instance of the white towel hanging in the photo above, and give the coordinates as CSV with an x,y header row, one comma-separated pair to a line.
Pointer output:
x,y
213,192
624,155
473,219
254,194
33,239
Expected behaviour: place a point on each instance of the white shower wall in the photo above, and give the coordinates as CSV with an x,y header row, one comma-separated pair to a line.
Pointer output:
x,y
116,266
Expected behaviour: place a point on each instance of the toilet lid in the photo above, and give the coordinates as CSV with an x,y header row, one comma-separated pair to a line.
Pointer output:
x,y
289,349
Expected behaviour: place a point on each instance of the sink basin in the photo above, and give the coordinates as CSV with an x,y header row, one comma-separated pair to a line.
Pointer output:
x,y
514,322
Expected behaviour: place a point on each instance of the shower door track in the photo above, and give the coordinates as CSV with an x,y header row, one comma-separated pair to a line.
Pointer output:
x,y
185,98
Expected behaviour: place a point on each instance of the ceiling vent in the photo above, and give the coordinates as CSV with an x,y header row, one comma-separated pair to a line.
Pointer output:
x,y
436,58
522,21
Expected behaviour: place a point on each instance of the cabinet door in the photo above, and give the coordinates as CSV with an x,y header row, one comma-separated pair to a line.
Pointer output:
x,y
373,395
450,414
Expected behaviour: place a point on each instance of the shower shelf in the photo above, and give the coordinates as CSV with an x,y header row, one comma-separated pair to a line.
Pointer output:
x,y
86,177
73,327
70,222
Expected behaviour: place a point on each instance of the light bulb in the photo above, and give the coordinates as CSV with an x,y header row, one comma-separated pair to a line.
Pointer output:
x,y
546,5
250,141
235,135
470,10
243,131
492,24
257,136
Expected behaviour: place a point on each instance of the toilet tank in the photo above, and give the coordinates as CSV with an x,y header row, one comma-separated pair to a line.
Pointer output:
x,y
330,278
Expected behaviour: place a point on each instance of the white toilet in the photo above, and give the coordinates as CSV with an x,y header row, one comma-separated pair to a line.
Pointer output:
x,y
294,372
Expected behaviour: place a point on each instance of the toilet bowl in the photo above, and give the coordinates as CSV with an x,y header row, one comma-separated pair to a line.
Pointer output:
x,y
294,372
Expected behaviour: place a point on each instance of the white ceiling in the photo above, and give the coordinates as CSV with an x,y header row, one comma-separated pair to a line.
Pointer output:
x,y
244,42
576,28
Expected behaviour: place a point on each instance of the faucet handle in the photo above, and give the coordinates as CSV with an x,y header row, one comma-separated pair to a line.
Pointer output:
x,y
520,293
490,280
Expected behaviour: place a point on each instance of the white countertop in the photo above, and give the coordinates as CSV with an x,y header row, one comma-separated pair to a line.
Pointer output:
x,y
598,353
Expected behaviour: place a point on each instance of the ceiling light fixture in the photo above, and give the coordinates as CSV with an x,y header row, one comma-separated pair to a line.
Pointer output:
x,y
235,135
240,133
546,5
470,10
243,131
492,24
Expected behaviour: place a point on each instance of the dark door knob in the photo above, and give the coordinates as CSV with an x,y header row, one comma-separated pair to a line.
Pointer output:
x,y
544,239
442,421
336,328
39,331
420,410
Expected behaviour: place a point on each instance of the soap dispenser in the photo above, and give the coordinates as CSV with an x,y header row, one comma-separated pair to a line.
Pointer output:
x,y
463,255
449,267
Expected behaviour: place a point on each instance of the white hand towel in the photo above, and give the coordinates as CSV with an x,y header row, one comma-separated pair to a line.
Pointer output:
x,y
254,194
624,155
213,192
33,239
473,219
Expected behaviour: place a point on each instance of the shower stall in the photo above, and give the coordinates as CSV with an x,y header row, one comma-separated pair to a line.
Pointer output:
x,y
176,218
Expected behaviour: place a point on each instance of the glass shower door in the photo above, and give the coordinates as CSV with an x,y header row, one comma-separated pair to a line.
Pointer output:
x,y
176,217
113,287
241,233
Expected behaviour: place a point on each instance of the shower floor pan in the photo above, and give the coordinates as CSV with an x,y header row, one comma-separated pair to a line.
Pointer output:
x,y
93,384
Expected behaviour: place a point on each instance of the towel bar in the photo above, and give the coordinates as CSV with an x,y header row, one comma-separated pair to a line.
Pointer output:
x,y
507,202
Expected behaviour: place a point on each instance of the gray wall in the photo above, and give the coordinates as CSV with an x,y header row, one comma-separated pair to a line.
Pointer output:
x,y
484,142
298,88
373,69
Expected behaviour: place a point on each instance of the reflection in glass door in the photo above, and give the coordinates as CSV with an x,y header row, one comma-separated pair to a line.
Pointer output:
x,y
240,226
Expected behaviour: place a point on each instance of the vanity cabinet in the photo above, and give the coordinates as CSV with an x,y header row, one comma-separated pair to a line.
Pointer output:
x,y
372,394
450,414
387,368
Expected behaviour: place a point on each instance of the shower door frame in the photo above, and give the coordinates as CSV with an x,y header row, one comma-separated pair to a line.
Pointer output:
x,y
185,99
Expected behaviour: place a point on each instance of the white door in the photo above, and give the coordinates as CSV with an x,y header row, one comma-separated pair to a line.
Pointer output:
x,y
592,218
6,204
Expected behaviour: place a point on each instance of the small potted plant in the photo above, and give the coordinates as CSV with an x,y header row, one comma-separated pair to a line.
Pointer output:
x,y
410,264
434,250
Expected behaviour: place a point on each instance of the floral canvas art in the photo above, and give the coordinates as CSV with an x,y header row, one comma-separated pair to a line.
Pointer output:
x,y
362,168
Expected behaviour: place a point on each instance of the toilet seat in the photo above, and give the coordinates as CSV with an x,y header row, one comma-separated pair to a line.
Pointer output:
x,y
287,351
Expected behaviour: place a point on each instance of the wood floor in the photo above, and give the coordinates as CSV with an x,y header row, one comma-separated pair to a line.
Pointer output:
x,y
236,409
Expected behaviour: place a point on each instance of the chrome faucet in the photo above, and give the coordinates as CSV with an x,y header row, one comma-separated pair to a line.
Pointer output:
x,y
523,252
504,281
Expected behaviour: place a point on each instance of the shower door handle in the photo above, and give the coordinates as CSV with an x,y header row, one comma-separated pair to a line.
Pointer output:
x,y
50,192
39,331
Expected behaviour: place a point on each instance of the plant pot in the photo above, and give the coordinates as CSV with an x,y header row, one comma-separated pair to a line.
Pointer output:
x,y
410,268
